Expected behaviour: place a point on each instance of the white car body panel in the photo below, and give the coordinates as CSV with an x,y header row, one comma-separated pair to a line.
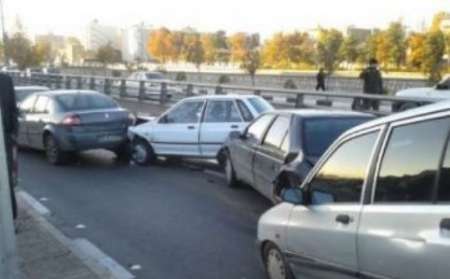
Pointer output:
x,y
433,93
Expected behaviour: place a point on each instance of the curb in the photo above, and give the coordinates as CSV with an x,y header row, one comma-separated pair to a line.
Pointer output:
x,y
99,263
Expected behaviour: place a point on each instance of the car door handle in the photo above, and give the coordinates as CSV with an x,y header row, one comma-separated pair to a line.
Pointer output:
x,y
445,224
234,126
344,219
191,127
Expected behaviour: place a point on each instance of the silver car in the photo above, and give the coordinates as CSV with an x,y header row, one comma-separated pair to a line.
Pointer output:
x,y
376,205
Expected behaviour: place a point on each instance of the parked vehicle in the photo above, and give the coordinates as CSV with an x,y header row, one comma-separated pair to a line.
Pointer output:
x,y
376,205
153,82
24,91
196,127
281,147
432,94
68,121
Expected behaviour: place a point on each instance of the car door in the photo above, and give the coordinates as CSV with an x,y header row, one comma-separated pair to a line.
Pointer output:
x,y
25,113
400,234
221,117
269,156
243,150
37,121
177,131
321,236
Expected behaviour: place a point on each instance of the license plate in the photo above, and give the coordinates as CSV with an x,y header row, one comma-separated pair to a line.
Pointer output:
x,y
109,138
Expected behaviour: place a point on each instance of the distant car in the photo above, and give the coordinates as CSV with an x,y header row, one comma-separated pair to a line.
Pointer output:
x,y
67,121
24,91
153,82
437,93
194,127
376,205
281,147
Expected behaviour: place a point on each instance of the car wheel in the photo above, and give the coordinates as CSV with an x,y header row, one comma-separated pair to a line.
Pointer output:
x,y
53,152
275,264
230,173
142,152
123,153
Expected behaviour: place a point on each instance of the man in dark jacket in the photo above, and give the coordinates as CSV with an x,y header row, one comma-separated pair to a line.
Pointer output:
x,y
373,83
321,80
10,115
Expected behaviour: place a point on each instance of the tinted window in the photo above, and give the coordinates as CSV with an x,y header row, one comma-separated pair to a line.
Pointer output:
x,y
246,114
444,181
320,133
186,112
222,111
72,102
257,129
409,166
277,132
41,104
260,105
341,178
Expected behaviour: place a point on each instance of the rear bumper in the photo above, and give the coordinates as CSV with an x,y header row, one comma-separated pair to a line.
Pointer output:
x,y
72,141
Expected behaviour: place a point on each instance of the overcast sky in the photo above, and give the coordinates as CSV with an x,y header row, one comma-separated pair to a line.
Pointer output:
x,y
266,17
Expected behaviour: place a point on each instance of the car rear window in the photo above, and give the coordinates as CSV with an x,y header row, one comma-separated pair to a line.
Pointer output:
x,y
320,133
72,102
260,105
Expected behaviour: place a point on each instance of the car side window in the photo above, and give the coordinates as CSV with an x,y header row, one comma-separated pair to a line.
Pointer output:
x,y
186,112
444,177
222,112
257,129
410,162
27,105
246,114
277,132
41,105
341,177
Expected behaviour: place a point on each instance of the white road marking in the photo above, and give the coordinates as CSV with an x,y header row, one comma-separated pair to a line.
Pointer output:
x,y
80,227
135,267
43,199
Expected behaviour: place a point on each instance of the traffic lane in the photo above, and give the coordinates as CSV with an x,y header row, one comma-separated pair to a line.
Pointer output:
x,y
174,221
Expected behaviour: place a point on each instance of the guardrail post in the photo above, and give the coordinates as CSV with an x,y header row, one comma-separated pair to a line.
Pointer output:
x,y
58,82
257,92
68,82
163,95
219,90
299,101
92,83
190,90
123,88
79,83
107,86
141,95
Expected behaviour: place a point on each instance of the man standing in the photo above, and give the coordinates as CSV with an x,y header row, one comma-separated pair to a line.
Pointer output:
x,y
373,83
321,80
10,115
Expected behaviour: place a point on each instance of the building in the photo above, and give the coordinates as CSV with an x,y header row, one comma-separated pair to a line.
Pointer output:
x,y
73,52
134,43
99,35
56,42
360,34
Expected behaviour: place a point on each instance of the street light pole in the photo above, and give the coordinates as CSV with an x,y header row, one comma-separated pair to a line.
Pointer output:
x,y
4,36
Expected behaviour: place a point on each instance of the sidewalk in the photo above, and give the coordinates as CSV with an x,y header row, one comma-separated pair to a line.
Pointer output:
x,y
41,254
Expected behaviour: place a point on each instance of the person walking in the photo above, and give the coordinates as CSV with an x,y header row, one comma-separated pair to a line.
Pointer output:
x,y
321,80
373,84
10,115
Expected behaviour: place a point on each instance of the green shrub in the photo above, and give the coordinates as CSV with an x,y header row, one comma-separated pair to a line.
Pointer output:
x,y
290,84
181,76
224,79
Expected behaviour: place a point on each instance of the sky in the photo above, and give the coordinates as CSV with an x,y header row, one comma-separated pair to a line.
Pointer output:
x,y
266,17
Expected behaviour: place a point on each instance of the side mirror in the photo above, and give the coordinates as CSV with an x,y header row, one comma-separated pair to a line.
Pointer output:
x,y
293,195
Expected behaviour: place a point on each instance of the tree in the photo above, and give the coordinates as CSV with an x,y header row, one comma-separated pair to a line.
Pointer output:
x,y
396,43
245,51
177,41
382,49
416,50
222,49
350,49
434,48
160,45
194,52
20,50
108,55
437,20
43,52
328,46
275,52
209,47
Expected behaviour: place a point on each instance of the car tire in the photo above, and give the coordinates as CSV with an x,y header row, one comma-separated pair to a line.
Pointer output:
x,y
275,264
142,152
123,153
230,173
53,152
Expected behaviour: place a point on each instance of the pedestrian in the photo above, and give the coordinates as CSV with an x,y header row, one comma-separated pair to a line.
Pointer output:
x,y
373,84
321,80
10,115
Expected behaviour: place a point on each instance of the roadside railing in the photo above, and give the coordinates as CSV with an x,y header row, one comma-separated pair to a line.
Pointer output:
x,y
164,93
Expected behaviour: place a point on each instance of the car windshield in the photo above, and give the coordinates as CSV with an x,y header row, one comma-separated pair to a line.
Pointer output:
x,y
74,102
320,133
260,105
154,76
444,84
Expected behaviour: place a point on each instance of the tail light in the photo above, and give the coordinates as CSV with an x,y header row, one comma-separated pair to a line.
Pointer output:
x,y
71,120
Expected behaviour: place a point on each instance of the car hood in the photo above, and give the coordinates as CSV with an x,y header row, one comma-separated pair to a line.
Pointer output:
x,y
415,92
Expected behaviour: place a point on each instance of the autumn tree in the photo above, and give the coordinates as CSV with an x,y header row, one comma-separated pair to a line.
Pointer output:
x,y
20,50
209,47
395,38
177,40
244,49
43,51
437,20
350,49
275,52
328,45
222,48
416,50
161,45
108,55
193,51
434,49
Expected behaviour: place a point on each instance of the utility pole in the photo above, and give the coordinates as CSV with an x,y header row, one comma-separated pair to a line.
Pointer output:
x,y
4,36
8,256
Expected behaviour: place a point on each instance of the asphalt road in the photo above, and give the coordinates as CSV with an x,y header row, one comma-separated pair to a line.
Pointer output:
x,y
174,220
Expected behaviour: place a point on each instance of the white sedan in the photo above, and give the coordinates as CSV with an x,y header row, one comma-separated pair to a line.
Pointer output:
x,y
194,127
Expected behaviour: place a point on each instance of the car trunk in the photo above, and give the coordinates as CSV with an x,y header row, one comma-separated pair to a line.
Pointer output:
x,y
101,121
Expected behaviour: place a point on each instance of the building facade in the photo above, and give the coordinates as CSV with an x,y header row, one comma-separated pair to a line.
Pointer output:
x,y
134,43
99,35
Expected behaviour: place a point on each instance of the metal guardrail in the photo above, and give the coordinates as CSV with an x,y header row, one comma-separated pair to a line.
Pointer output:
x,y
162,92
